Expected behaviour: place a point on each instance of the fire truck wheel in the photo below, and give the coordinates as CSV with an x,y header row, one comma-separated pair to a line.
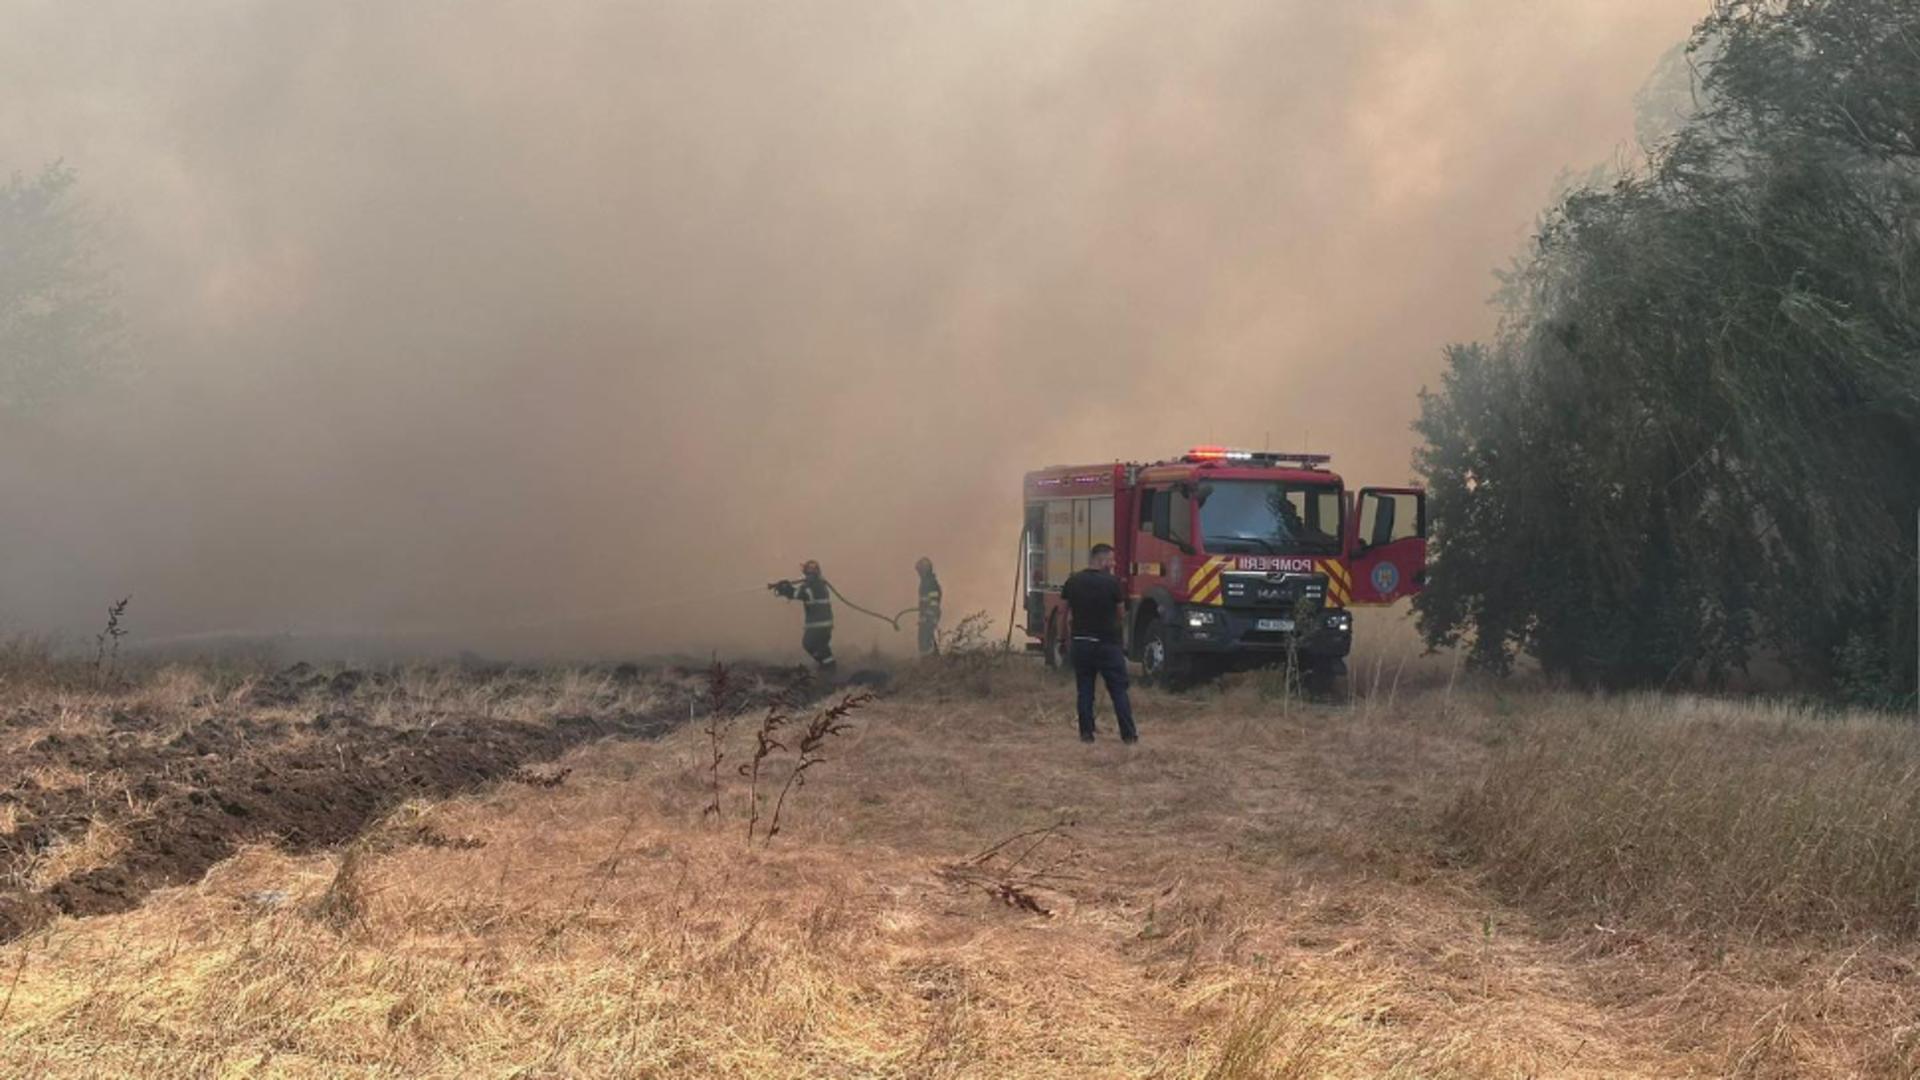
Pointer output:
x,y
1158,665
1321,681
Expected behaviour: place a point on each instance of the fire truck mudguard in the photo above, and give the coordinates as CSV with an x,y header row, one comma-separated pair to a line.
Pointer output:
x,y
1230,558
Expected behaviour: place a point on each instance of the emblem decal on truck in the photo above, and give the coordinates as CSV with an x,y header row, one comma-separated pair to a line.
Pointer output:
x,y
1386,578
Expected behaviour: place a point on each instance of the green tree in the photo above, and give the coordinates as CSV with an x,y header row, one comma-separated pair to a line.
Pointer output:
x,y
1698,432
58,320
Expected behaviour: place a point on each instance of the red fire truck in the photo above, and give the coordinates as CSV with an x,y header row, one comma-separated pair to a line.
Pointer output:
x,y
1230,558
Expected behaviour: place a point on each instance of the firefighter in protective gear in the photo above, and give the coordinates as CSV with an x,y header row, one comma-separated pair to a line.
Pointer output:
x,y
929,607
816,599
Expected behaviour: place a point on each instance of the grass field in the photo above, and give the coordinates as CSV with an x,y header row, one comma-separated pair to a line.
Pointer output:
x,y
1441,880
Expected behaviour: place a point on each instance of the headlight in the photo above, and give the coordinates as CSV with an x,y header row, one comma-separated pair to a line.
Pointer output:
x,y
1339,620
1198,619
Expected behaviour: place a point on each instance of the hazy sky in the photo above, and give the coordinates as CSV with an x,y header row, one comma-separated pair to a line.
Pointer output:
x,y
476,313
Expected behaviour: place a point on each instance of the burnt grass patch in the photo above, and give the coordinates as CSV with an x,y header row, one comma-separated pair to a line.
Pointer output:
x,y
185,800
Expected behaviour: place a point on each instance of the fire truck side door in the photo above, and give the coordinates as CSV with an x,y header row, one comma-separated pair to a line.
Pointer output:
x,y
1152,560
1033,556
1387,544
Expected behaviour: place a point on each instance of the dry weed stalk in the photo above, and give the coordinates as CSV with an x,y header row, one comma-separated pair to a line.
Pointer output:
x,y
967,663
107,642
825,724
723,711
1393,695
1373,686
778,715
970,635
765,745
1013,881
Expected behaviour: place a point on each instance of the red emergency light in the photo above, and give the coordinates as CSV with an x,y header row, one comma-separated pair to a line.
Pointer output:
x,y
1222,453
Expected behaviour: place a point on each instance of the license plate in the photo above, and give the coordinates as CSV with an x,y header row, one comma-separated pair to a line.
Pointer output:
x,y
1281,625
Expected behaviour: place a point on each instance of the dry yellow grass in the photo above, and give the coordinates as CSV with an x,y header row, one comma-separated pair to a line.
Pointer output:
x,y
1757,819
68,856
1242,895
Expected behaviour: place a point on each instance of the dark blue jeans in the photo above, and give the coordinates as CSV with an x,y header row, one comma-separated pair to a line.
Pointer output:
x,y
1102,660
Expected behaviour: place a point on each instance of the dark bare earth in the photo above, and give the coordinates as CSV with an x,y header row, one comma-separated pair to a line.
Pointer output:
x,y
296,759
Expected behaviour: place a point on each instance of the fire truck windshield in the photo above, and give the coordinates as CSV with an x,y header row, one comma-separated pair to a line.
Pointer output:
x,y
1267,518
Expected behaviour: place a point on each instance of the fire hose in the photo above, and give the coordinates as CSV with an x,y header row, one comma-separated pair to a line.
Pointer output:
x,y
494,626
893,621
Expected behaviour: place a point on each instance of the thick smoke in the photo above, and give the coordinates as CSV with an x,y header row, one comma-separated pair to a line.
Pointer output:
x,y
451,318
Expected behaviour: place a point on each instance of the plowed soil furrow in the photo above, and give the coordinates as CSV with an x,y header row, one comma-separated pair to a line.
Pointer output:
x,y
188,802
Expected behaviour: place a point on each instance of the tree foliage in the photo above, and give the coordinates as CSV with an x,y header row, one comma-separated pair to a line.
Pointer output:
x,y
1697,435
58,321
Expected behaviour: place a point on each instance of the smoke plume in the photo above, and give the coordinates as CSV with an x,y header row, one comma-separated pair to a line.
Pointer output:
x,y
560,328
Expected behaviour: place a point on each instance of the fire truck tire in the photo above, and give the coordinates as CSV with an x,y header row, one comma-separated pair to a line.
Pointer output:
x,y
1321,680
1159,666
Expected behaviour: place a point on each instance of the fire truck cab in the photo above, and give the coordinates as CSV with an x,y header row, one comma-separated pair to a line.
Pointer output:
x,y
1230,558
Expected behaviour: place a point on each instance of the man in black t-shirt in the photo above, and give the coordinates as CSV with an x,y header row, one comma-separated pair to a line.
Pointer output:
x,y
1097,602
